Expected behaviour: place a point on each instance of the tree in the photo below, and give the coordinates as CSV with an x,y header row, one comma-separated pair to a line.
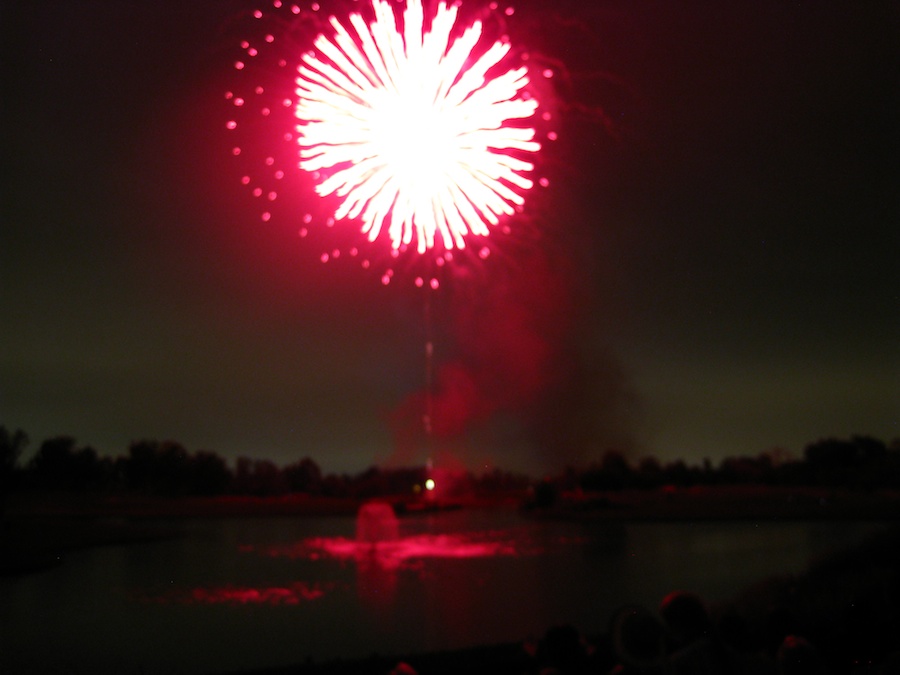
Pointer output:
x,y
159,468
614,473
139,466
259,477
208,474
171,476
650,473
11,447
304,476
860,461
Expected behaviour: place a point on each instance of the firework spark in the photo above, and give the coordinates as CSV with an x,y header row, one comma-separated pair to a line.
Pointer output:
x,y
417,129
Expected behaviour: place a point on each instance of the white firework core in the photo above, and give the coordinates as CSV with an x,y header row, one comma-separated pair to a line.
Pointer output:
x,y
412,130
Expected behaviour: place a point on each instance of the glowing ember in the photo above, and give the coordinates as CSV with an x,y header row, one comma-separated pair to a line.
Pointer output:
x,y
415,131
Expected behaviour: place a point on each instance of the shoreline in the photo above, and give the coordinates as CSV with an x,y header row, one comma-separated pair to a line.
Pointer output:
x,y
738,502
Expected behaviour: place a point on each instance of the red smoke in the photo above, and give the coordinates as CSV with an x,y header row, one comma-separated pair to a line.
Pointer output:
x,y
513,352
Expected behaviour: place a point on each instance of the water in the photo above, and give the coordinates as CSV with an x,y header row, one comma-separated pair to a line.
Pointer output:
x,y
251,593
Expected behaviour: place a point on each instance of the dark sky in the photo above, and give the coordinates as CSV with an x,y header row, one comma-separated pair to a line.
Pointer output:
x,y
712,271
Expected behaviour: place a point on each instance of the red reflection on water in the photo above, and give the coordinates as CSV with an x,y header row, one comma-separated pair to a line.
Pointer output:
x,y
292,594
393,554
378,564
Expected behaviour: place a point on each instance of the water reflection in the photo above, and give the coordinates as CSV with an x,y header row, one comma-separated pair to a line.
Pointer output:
x,y
399,553
290,594
254,593
379,555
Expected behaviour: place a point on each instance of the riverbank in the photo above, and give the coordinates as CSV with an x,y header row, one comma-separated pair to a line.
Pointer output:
x,y
731,502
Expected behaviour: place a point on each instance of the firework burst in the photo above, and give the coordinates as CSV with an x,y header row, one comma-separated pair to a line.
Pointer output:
x,y
414,125
409,130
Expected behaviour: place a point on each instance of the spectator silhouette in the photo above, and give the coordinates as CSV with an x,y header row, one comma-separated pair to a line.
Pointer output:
x,y
686,618
689,639
694,646
638,639
563,650
797,656
403,668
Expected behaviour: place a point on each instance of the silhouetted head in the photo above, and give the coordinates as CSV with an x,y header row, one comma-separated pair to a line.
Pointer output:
x,y
638,639
797,656
563,647
686,618
780,622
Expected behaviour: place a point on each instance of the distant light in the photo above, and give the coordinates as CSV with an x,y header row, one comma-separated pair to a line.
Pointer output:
x,y
429,484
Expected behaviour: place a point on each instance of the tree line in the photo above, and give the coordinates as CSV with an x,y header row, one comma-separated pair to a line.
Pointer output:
x,y
858,462
166,468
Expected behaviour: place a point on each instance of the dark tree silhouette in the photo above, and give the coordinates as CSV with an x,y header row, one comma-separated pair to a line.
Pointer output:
x,y
208,474
613,473
11,447
139,466
59,465
304,476
860,461
650,473
158,468
258,477
172,472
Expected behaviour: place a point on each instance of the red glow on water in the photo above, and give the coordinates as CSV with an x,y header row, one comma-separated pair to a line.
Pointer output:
x,y
398,553
380,564
274,595
294,593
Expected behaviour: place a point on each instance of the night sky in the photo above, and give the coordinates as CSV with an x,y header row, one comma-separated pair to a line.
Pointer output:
x,y
712,271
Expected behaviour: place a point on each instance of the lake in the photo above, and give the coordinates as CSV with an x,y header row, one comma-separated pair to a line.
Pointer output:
x,y
251,593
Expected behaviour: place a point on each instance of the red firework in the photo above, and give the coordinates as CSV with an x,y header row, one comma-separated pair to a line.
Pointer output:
x,y
414,127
